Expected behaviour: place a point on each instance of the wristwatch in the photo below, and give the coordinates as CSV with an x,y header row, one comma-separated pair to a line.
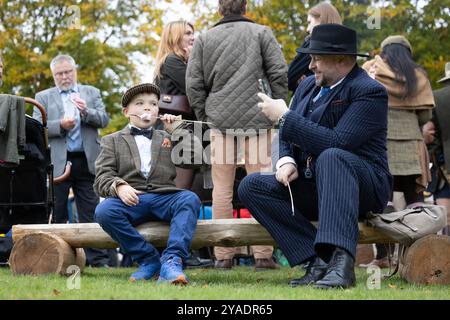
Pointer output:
x,y
282,119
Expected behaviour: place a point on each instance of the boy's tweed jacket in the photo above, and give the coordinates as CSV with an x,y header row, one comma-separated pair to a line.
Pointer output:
x,y
119,162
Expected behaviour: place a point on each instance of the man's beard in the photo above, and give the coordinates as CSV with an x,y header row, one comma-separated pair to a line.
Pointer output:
x,y
326,80
318,81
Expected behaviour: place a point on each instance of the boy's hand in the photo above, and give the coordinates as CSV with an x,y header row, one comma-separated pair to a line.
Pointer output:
x,y
170,122
128,194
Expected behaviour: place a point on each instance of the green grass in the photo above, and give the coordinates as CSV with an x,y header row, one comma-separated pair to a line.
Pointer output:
x,y
240,283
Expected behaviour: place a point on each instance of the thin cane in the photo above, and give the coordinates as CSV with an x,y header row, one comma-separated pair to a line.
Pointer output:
x,y
145,117
292,199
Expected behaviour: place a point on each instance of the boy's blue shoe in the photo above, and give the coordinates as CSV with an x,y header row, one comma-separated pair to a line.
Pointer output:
x,y
146,272
172,272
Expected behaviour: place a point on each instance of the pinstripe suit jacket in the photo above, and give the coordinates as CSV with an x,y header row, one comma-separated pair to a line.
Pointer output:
x,y
351,117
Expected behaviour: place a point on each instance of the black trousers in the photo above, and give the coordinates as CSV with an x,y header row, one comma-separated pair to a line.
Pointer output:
x,y
81,181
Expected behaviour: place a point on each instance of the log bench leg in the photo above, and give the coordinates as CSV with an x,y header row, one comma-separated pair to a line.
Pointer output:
x,y
44,253
427,261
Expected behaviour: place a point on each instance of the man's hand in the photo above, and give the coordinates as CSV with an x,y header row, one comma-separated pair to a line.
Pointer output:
x,y
170,122
273,109
67,123
128,194
428,131
81,104
286,173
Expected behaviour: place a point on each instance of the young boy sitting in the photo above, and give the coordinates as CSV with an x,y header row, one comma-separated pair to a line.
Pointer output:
x,y
135,174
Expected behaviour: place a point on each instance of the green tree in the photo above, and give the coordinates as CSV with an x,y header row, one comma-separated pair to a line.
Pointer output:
x,y
101,35
110,33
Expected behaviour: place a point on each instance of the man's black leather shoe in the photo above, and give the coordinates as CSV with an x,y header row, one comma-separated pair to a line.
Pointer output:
x,y
194,262
340,272
315,271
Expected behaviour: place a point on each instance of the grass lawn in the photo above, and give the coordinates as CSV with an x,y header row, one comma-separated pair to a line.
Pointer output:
x,y
240,283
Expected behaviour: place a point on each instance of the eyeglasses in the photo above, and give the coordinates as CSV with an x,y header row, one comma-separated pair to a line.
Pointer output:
x,y
62,73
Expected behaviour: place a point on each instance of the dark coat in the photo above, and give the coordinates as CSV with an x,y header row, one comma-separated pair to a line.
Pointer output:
x,y
12,127
299,67
173,76
441,118
352,117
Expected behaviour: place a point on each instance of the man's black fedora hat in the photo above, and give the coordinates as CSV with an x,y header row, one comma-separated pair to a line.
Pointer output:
x,y
332,39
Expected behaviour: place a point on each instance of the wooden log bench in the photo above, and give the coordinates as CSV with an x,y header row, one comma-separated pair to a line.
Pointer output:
x,y
51,248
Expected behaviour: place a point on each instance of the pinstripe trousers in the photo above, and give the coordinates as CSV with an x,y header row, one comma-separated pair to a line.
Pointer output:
x,y
341,191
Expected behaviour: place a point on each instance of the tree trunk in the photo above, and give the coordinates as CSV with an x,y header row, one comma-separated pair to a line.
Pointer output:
x,y
209,233
43,253
427,261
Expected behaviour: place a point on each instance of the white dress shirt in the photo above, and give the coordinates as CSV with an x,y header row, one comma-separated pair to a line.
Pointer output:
x,y
144,145
74,139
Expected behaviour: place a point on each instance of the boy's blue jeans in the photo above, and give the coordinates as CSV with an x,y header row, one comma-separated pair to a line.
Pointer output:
x,y
179,208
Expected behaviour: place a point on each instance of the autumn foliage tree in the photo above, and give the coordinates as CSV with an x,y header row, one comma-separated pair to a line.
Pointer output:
x,y
425,26
102,36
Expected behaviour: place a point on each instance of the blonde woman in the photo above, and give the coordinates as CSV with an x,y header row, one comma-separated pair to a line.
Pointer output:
x,y
170,72
171,60
319,14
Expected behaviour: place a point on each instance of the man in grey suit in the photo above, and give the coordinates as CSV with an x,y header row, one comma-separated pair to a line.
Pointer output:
x,y
75,112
